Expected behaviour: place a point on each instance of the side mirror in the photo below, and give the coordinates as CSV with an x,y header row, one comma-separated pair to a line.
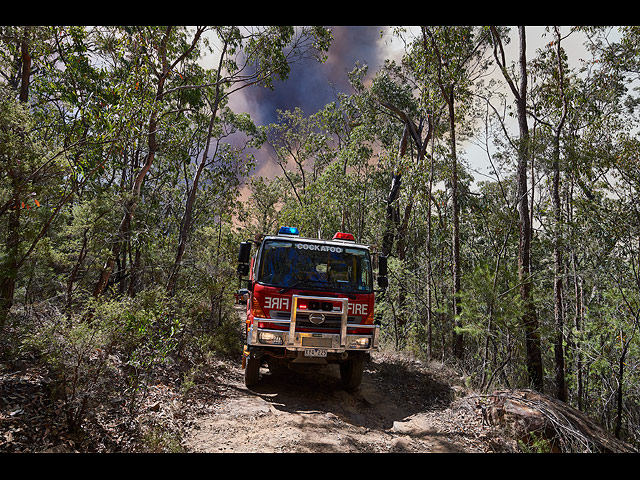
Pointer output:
x,y
383,281
244,254
382,266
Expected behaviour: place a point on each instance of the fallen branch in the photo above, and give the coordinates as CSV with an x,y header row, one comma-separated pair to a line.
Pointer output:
x,y
537,418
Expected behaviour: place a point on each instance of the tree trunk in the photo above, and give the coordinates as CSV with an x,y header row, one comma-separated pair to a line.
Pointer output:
x,y
132,203
410,129
392,219
534,356
540,420
578,326
455,241
529,316
25,57
561,386
558,294
619,393
135,271
74,272
10,268
123,232
429,264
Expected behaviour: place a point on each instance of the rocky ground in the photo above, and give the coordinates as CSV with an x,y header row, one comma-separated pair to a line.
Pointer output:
x,y
401,406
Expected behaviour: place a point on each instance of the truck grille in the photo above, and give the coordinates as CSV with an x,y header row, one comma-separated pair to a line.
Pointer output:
x,y
328,321
331,321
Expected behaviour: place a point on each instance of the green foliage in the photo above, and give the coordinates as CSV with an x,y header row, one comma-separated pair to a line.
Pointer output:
x,y
535,443
157,440
78,356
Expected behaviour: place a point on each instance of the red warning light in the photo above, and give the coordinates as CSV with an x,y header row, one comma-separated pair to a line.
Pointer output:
x,y
344,236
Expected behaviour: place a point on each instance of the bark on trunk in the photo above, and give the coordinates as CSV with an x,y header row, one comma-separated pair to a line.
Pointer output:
x,y
561,386
455,240
529,316
534,356
8,282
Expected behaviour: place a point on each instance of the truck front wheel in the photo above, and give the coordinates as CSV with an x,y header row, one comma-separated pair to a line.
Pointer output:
x,y
351,372
251,370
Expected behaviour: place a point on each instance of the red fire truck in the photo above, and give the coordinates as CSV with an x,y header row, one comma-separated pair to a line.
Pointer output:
x,y
310,301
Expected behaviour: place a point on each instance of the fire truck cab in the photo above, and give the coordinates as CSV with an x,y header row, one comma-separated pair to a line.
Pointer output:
x,y
310,301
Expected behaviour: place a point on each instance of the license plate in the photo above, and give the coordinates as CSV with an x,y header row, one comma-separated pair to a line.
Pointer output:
x,y
315,352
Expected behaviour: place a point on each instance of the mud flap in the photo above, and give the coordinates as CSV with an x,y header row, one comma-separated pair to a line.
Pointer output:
x,y
245,354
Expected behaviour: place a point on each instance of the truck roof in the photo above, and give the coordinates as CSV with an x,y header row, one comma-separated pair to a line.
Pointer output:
x,y
340,243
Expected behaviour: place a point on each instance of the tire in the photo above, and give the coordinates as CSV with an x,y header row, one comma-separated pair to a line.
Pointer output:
x,y
251,371
351,372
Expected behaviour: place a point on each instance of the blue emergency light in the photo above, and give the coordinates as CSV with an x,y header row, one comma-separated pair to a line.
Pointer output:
x,y
288,231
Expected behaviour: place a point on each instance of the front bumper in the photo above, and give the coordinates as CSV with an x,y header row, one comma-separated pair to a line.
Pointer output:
x,y
318,342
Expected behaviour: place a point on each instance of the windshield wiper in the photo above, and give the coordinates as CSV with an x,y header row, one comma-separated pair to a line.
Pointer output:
x,y
289,287
305,283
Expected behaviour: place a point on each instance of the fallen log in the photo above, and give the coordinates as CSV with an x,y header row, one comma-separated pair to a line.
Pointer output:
x,y
542,423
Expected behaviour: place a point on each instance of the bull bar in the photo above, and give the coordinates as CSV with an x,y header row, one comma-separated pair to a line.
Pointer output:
x,y
332,342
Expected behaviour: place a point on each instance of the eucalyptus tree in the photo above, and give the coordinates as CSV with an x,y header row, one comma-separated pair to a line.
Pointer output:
x,y
350,182
396,118
49,71
596,117
20,156
618,217
21,152
442,64
550,98
519,92
454,58
602,179
168,86
251,56
626,320
156,54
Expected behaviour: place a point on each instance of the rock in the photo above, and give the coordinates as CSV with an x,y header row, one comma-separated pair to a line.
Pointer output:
x,y
401,444
402,427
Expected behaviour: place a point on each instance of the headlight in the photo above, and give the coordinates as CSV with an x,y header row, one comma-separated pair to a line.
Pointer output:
x,y
270,338
362,342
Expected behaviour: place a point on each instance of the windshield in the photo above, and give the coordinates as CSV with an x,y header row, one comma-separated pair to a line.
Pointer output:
x,y
294,264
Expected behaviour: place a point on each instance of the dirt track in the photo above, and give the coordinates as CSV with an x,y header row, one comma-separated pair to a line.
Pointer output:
x,y
401,406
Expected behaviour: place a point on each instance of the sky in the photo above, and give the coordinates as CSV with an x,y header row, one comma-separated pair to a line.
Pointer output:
x,y
311,84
